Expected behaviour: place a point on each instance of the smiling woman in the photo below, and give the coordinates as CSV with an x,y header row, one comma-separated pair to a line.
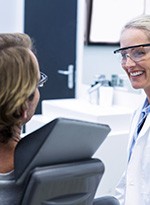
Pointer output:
x,y
135,60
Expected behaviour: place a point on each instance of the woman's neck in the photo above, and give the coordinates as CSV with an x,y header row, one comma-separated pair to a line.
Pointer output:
x,y
7,151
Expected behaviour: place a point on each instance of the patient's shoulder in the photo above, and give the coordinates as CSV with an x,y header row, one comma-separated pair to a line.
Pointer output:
x,y
10,193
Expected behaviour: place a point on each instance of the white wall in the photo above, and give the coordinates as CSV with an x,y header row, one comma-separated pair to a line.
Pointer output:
x,y
99,60
92,60
11,15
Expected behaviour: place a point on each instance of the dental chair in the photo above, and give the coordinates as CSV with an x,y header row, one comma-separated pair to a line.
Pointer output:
x,y
54,164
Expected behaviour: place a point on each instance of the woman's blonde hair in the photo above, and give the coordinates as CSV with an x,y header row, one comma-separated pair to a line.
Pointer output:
x,y
141,22
18,80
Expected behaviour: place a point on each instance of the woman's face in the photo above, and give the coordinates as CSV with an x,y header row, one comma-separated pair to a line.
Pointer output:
x,y
32,104
138,72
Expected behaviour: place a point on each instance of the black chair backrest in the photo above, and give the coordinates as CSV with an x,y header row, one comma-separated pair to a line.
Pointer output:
x,y
54,164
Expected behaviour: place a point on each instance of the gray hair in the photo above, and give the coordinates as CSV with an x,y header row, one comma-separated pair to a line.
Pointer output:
x,y
141,22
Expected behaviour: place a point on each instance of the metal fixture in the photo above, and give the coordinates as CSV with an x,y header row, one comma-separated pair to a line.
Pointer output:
x,y
68,72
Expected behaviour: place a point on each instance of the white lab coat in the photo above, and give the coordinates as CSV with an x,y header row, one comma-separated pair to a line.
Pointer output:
x,y
134,186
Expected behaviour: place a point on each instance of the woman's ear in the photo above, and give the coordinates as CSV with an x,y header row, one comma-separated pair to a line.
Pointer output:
x,y
24,114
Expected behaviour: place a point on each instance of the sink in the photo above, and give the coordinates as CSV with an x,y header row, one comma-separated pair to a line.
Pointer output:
x,y
117,117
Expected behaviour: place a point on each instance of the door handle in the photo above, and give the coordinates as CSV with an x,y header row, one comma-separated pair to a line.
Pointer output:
x,y
68,72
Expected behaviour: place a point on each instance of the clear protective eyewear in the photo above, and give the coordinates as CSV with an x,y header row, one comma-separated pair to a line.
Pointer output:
x,y
43,79
136,53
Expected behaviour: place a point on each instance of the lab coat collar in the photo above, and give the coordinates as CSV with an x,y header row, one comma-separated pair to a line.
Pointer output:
x,y
135,120
134,124
147,121
145,126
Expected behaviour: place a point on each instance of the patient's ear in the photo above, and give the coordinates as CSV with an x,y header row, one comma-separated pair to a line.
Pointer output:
x,y
24,111
24,114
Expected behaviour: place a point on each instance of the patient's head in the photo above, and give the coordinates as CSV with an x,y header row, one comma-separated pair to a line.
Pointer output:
x,y
19,77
